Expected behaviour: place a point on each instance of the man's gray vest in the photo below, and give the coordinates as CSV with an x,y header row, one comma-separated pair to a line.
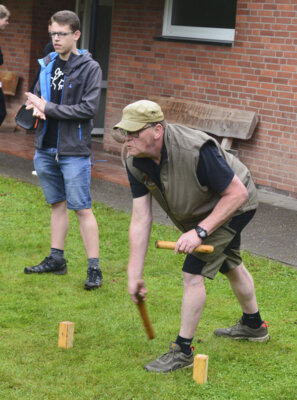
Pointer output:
x,y
182,197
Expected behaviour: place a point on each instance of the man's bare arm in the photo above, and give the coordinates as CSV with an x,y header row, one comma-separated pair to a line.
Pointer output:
x,y
232,198
139,234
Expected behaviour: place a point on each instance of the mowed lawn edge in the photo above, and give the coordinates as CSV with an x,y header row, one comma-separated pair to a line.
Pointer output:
x,y
110,344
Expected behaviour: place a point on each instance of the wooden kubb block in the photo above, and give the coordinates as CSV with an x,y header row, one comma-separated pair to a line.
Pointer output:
x,y
200,368
66,332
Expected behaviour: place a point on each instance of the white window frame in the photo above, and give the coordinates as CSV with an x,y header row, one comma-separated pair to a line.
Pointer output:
x,y
194,33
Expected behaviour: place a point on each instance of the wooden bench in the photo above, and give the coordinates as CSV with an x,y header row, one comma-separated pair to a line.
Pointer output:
x,y
9,82
224,123
9,86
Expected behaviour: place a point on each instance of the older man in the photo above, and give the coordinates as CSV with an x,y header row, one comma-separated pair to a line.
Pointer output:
x,y
210,196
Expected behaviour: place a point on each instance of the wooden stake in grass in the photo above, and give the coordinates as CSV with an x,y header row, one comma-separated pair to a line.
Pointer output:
x,y
200,368
66,332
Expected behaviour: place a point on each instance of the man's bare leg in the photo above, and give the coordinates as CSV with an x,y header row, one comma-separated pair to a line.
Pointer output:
x,y
90,236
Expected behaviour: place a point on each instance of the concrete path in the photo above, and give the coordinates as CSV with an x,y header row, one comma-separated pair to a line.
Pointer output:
x,y
272,233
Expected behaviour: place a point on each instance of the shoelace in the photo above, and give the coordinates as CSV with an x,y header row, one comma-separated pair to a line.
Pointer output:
x,y
174,350
94,274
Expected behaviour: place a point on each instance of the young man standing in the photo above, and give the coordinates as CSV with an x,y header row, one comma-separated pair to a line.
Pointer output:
x,y
65,100
4,17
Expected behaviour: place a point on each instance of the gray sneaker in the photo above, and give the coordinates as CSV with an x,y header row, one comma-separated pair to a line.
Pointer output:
x,y
174,359
243,332
94,278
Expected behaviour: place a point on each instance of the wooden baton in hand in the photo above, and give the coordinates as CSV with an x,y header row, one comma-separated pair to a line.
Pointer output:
x,y
164,244
145,318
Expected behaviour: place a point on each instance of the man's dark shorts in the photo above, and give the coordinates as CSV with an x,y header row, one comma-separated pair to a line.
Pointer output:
x,y
226,255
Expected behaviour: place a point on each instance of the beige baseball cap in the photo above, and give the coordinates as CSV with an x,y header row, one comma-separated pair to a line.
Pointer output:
x,y
138,114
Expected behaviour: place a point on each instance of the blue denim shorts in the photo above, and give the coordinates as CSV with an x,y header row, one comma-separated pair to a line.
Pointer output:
x,y
66,178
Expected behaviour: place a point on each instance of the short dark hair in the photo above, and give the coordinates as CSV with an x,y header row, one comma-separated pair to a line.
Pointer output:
x,y
4,12
66,17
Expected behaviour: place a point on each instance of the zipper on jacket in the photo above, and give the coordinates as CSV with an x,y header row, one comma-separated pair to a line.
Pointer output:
x,y
58,136
79,131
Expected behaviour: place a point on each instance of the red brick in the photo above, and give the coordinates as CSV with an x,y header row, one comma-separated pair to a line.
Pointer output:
x,y
257,73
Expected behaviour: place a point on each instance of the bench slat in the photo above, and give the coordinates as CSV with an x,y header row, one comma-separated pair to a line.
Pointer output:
x,y
219,121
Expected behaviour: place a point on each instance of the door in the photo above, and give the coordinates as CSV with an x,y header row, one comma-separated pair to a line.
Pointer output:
x,y
96,21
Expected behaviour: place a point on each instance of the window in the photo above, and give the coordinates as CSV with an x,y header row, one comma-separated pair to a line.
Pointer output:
x,y
203,20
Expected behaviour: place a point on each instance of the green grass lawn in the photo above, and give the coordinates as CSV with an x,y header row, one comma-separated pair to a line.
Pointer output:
x,y
110,345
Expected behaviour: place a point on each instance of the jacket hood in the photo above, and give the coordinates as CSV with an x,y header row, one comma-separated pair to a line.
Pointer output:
x,y
73,62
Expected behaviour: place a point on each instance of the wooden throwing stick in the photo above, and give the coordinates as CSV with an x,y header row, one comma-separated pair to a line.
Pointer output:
x,y
164,244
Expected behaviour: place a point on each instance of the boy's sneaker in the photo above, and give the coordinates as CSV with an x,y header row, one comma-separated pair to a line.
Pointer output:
x,y
94,278
174,359
244,332
49,264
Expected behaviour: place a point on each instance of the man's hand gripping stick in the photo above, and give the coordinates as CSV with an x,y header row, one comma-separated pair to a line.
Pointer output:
x,y
203,248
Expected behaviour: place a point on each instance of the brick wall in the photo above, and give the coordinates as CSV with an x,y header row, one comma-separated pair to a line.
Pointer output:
x,y
259,73
22,42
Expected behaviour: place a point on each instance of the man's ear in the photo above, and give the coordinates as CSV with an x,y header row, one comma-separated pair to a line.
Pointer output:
x,y
77,35
158,131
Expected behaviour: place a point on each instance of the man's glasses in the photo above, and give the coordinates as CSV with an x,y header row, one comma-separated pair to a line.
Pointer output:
x,y
136,134
59,34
